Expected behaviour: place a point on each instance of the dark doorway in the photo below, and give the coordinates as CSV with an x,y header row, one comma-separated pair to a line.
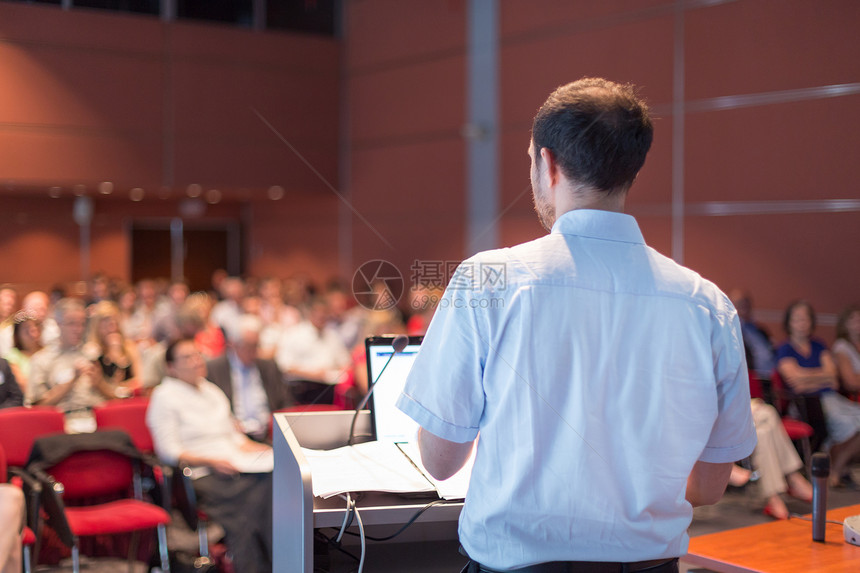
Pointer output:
x,y
180,250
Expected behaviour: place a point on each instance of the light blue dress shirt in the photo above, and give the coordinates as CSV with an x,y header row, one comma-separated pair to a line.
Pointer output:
x,y
598,372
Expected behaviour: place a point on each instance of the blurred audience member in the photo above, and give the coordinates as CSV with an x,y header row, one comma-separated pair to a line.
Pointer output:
x,y
756,338
809,370
346,317
846,350
141,325
774,457
60,374
254,386
8,306
118,357
28,340
99,289
10,392
167,310
187,325
312,356
277,316
126,301
226,312
210,338
38,305
191,424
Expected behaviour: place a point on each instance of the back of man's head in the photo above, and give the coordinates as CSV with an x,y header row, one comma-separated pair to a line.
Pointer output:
x,y
598,131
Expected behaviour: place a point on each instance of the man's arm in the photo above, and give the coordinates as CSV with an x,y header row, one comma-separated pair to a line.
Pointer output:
x,y
707,482
441,457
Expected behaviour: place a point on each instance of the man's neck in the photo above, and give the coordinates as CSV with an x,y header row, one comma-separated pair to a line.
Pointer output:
x,y
572,197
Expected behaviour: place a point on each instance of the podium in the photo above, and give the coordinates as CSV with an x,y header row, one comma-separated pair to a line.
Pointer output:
x,y
295,510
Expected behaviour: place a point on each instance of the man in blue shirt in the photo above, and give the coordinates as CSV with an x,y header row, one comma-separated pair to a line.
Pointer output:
x,y
608,384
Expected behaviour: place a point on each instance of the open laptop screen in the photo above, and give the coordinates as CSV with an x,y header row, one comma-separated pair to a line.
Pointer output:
x,y
389,423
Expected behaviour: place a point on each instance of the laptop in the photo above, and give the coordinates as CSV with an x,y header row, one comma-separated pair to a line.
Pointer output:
x,y
388,424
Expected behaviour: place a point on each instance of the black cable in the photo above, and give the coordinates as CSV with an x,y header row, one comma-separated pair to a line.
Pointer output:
x,y
405,525
337,546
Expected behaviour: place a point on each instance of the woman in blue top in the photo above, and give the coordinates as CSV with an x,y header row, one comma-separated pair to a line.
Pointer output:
x,y
809,370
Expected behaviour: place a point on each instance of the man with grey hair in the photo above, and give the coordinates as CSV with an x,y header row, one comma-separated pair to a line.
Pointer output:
x,y
60,374
254,386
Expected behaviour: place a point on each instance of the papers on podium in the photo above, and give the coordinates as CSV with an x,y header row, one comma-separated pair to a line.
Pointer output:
x,y
379,466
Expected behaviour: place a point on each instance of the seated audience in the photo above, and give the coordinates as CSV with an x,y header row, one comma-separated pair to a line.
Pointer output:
x,y
191,424
167,309
345,317
809,370
187,324
312,356
775,459
38,305
226,312
12,512
756,337
10,391
846,350
8,306
28,340
210,337
254,386
141,325
60,374
117,356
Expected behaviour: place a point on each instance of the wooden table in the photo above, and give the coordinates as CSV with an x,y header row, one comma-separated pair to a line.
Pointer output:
x,y
779,546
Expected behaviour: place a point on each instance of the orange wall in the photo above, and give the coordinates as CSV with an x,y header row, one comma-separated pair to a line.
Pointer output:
x,y
407,91
90,96
138,102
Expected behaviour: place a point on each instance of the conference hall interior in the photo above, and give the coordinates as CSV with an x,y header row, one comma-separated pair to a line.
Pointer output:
x,y
312,152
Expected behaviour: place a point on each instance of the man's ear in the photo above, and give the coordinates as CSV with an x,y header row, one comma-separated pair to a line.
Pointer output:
x,y
550,166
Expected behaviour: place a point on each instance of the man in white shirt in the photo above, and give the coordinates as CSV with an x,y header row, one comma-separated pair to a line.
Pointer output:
x,y
608,383
191,425
312,356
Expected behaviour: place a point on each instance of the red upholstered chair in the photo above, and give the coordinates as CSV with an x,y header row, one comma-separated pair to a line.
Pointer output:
x,y
128,415
83,467
20,426
29,538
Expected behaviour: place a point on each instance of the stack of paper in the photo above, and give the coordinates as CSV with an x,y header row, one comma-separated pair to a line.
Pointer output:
x,y
371,466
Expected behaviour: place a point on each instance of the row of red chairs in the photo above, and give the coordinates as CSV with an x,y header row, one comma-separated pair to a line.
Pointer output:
x,y
20,428
79,474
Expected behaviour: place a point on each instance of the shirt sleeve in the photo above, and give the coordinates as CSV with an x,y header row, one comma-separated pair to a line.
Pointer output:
x,y
444,390
37,384
733,435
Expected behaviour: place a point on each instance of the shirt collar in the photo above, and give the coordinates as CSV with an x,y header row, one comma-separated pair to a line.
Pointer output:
x,y
606,225
236,364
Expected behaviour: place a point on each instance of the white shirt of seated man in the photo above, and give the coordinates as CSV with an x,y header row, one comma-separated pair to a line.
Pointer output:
x,y
191,422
